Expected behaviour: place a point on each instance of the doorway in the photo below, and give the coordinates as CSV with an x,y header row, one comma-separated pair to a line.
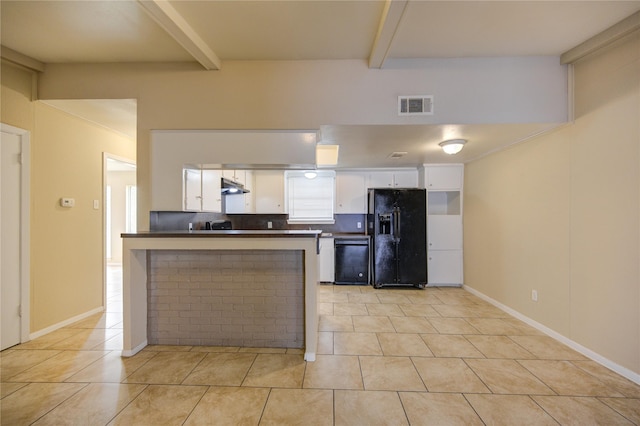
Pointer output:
x,y
14,235
120,209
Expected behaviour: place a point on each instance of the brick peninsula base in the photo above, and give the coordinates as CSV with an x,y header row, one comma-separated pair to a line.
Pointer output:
x,y
248,298
224,288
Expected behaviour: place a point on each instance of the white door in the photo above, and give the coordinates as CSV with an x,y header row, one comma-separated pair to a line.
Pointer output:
x,y
10,248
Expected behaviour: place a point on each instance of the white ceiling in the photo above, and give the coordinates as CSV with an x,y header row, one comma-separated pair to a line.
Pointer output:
x,y
124,31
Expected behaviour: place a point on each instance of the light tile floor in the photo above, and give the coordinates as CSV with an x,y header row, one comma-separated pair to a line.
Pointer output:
x,y
438,356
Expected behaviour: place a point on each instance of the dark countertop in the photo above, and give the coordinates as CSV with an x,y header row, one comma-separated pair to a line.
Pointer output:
x,y
267,233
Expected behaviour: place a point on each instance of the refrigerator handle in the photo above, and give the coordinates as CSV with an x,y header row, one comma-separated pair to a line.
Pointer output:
x,y
396,224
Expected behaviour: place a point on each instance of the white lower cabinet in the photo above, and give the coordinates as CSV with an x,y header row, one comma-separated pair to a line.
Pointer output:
x,y
444,267
326,260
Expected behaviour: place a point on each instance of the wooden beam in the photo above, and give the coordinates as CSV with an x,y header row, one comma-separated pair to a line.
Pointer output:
x,y
389,23
603,39
20,59
178,28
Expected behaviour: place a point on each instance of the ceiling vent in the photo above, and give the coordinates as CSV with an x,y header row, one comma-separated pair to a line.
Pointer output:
x,y
397,154
415,105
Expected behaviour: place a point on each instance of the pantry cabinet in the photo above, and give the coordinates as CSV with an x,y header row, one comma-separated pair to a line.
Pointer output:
x,y
444,184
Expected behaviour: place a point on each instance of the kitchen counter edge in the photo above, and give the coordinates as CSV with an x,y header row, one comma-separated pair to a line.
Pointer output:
x,y
239,233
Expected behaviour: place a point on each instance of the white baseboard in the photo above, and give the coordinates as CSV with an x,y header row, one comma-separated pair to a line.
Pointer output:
x,y
64,323
310,356
135,350
623,371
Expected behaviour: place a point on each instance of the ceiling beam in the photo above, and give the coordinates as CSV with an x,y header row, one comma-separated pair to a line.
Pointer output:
x,y
608,36
20,59
389,23
178,28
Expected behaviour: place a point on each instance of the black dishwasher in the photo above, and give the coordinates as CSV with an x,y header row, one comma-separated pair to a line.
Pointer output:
x,y
352,261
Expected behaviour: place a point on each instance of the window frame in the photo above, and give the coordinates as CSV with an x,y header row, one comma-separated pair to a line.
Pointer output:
x,y
293,176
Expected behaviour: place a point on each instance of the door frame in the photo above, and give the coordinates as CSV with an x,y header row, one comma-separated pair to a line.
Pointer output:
x,y
25,228
106,156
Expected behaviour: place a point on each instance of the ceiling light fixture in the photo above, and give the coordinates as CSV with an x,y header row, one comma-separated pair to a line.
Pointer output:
x,y
452,146
327,155
310,175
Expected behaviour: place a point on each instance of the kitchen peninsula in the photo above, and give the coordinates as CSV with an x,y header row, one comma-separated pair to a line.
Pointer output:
x,y
221,288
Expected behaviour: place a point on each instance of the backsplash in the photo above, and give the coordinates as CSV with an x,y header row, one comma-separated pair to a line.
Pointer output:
x,y
174,221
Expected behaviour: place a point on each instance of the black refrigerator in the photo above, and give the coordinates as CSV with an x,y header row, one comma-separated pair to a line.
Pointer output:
x,y
397,226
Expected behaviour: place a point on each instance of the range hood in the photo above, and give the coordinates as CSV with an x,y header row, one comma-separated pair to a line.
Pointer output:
x,y
229,187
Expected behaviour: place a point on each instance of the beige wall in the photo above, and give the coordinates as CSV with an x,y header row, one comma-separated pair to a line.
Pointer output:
x,y
66,161
561,214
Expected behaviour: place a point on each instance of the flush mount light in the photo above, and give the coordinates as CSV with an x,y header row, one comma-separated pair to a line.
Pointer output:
x,y
310,175
452,146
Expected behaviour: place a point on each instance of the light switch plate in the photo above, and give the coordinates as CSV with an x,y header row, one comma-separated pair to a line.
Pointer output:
x,y
67,202
96,204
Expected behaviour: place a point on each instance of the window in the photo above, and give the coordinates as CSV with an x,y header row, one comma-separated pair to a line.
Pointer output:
x,y
310,196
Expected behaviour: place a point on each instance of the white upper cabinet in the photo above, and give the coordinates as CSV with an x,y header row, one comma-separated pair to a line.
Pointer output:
x,y
444,176
380,180
192,190
235,175
240,203
201,190
393,179
211,195
269,191
405,179
249,198
351,192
